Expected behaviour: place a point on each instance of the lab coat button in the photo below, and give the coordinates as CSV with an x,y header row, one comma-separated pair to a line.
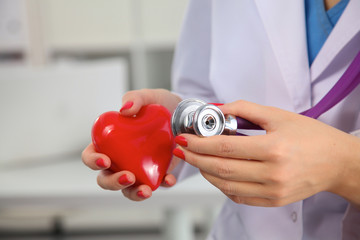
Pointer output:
x,y
294,216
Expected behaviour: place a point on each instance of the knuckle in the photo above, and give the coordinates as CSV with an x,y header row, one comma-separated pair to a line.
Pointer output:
x,y
281,151
128,95
195,145
125,192
83,157
277,202
226,188
277,149
129,194
136,94
277,153
100,182
192,159
145,93
278,193
277,177
237,199
225,148
222,169
106,182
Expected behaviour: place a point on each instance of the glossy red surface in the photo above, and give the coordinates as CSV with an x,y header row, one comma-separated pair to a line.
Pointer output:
x,y
141,144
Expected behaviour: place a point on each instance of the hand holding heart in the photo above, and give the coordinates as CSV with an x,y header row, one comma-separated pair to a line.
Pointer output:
x,y
135,178
141,144
298,157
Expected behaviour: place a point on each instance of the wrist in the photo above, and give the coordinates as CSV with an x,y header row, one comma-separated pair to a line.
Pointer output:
x,y
347,181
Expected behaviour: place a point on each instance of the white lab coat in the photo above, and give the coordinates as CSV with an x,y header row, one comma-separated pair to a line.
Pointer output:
x,y
256,50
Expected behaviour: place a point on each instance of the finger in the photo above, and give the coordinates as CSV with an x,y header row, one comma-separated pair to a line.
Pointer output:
x,y
242,189
134,100
227,168
261,202
169,181
115,181
250,193
252,201
93,159
264,116
242,147
138,193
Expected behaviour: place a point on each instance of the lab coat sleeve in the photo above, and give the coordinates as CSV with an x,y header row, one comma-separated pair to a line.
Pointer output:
x,y
351,223
191,66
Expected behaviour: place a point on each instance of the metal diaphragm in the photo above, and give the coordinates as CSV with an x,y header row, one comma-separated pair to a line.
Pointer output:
x,y
182,118
196,117
208,121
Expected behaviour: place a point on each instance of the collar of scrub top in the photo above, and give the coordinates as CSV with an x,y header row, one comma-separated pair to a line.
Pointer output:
x,y
343,87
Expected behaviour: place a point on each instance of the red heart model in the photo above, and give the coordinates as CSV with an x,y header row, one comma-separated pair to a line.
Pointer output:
x,y
141,144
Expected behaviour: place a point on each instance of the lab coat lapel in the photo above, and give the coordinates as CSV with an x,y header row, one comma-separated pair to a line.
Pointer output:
x,y
284,22
345,29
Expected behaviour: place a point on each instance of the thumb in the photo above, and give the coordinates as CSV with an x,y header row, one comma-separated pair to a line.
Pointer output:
x,y
264,116
133,101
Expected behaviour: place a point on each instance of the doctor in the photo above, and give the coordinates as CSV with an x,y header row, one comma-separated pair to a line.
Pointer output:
x,y
301,180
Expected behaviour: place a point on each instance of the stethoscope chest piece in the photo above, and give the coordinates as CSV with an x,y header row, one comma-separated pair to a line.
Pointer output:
x,y
196,117
208,121
182,118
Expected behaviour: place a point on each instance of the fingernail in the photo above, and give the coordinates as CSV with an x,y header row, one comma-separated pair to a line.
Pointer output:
x,y
127,105
141,194
124,180
167,182
217,104
180,154
181,141
100,163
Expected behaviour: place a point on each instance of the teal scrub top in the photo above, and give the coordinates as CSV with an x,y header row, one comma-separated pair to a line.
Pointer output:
x,y
319,24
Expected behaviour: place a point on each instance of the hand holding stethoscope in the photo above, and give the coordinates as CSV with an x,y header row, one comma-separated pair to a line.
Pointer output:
x,y
296,158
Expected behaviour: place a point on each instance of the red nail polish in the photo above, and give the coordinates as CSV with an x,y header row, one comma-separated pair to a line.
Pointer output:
x,y
100,163
217,104
181,141
124,180
127,105
141,194
180,154
167,182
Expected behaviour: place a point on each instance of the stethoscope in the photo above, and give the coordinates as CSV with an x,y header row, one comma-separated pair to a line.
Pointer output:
x,y
197,117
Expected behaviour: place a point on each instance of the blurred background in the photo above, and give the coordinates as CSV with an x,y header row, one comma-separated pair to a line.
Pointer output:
x,y
63,63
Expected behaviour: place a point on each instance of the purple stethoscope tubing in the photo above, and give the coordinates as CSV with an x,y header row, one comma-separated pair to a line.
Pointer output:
x,y
343,87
